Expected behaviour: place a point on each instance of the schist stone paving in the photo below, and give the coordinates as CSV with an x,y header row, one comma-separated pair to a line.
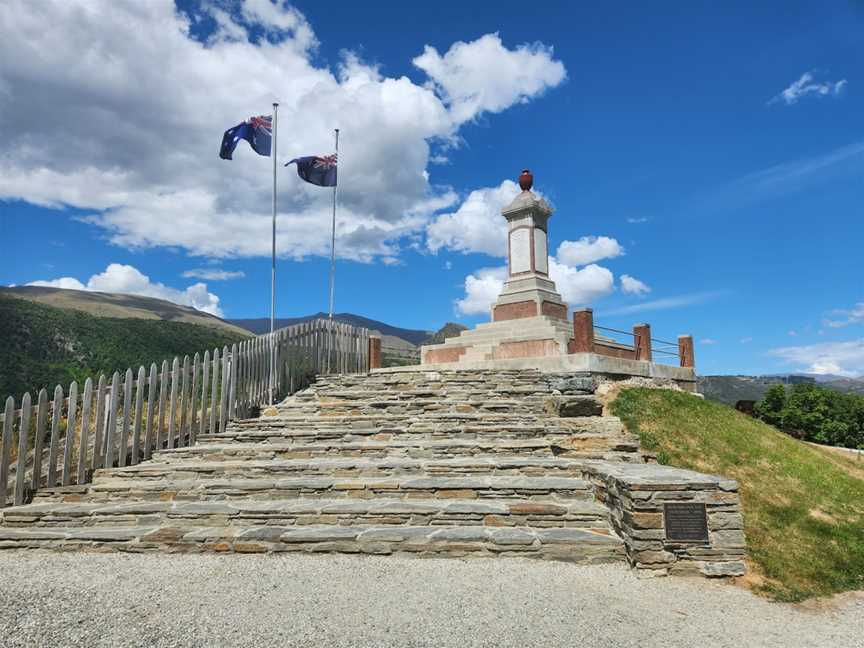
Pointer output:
x,y
496,445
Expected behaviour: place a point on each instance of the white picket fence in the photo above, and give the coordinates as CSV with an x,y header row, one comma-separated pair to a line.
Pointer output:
x,y
123,419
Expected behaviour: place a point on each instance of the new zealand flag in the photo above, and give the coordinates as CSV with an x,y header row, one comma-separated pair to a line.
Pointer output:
x,y
258,131
319,170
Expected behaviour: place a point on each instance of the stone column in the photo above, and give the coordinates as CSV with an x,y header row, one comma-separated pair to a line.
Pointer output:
x,y
528,291
374,352
642,341
685,351
583,331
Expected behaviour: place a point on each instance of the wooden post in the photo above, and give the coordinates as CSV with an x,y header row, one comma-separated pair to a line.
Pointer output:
x,y
214,391
41,422
111,416
184,402
232,388
96,461
374,352
642,341
163,404
172,411
152,397
86,404
123,444
6,448
205,384
583,330
21,461
71,420
56,415
223,392
139,414
685,351
193,406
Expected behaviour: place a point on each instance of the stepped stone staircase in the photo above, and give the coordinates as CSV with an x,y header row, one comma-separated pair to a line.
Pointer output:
x,y
487,462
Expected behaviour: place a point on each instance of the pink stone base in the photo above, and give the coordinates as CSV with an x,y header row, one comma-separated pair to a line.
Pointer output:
x,y
438,356
526,349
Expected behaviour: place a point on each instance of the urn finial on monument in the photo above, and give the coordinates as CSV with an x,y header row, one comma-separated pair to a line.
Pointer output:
x,y
526,180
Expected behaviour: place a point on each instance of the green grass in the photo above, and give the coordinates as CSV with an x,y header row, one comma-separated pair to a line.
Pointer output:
x,y
803,507
43,346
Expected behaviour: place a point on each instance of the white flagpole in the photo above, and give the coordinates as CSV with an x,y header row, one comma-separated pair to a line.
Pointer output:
x,y
333,255
333,230
273,263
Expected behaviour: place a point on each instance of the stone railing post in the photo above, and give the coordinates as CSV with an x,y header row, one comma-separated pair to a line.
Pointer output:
x,y
374,352
642,341
685,351
583,330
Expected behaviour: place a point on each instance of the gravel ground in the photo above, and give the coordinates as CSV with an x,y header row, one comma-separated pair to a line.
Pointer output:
x,y
163,600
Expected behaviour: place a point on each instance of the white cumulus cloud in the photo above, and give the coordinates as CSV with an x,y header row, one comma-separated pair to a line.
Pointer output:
x,y
842,358
115,108
632,286
807,85
126,279
485,76
589,249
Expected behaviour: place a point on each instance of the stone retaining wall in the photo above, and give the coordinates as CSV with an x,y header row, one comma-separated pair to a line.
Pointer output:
x,y
636,495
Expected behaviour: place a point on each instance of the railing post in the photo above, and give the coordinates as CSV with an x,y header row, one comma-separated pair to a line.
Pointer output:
x,y
583,330
685,351
374,352
642,341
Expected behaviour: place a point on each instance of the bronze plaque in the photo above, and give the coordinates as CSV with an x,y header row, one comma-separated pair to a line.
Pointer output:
x,y
686,521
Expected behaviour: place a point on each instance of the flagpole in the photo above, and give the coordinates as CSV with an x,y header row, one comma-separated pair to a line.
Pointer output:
x,y
333,244
273,262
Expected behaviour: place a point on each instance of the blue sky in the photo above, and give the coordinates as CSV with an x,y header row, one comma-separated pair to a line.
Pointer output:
x,y
732,210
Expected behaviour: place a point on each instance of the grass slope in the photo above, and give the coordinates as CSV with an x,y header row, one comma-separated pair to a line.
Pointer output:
x,y
803,507
43,346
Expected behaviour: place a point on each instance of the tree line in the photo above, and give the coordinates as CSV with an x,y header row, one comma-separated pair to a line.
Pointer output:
x,y
816,414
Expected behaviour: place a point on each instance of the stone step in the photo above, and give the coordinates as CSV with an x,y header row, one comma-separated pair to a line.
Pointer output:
x,y
324,487
585,445
577,545
415,406
302,512
199,468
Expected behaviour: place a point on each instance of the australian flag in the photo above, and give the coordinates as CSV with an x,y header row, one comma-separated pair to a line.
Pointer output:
x,y
319,170
258,131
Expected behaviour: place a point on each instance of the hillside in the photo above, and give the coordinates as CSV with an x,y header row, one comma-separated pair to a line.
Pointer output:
x,y
262,325
43,345
118,306
803,506
731,389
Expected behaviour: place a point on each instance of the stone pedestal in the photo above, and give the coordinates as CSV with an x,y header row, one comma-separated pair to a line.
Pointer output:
x,y
528,291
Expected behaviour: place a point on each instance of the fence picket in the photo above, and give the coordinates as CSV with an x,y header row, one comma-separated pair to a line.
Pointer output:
x,y
205,383
98,424
139,411
111,418
70,433
196,371
123,444
39,439
232,389
86,404
214,391
172,411
184,401
56,415
163,404
152,389
223,394
21,460
6,449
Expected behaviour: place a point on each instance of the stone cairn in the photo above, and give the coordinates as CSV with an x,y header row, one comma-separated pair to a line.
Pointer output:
x,y
428,463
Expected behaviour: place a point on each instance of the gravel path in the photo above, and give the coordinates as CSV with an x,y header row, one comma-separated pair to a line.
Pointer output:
x,y
163,600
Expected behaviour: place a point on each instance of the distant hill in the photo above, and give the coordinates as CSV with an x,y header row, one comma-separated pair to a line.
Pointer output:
x,y
731,389
118,305
262,325
45,345
450,329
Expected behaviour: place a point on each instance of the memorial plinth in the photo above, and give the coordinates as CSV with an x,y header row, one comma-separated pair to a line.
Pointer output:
x,y
529,318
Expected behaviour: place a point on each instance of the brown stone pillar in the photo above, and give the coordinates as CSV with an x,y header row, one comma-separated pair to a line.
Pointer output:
x,y
583,330
374,352
685,350
642,341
